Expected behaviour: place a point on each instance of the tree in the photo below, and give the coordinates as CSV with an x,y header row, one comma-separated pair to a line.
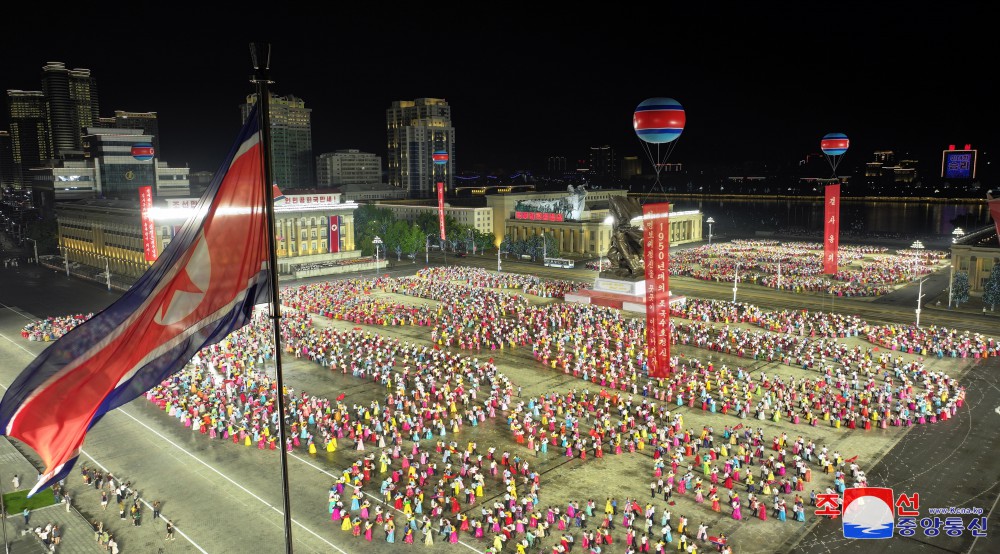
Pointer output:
x,y
991,291
413,240
370,221
960,288
483,241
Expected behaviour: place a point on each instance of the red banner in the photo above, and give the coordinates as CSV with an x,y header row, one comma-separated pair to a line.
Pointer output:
x,y
656,255
334,239
831,229
441,208
539,216
148,227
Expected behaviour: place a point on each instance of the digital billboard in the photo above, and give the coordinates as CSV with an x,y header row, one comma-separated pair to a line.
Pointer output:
x,y
958,164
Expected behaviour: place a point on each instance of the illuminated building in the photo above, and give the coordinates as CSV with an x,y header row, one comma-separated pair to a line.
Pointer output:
x,y
589,235
99,233
292,161
415,130
348,167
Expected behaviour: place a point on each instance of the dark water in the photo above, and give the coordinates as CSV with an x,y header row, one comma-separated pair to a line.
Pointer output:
x,y
918,220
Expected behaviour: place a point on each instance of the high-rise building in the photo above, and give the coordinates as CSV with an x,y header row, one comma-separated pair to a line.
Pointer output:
x,y
602,161
555,165
348,167
29,133
6,160
631,167
415,130
291,141
146,122
71,106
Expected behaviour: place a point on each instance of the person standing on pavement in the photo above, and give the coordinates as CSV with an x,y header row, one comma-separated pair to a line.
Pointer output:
x,y
67,499
156,509
17,481
170,532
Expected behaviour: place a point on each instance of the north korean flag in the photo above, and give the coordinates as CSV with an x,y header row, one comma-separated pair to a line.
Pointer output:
x,y
203,286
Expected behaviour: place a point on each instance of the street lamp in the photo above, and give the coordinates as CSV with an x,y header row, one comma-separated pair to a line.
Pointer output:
x,y
736,280
920,296
65,252
35,244
376,241
472,241
710,221
107,271
427,249
918,246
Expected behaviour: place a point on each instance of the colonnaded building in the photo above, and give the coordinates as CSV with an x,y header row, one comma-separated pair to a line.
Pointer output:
x,y
116,240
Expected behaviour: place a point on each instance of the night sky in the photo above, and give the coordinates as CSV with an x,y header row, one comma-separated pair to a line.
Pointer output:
x,y
757,84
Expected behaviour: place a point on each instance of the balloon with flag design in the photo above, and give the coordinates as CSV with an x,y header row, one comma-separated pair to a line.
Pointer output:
x,y
143,151
834,146
659,122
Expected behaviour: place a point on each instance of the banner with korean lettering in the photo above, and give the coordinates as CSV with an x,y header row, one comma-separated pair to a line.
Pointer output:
x,y
831,229
656,255
148,227
334,237
441,208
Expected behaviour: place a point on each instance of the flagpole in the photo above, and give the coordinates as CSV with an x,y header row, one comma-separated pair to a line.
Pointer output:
x,y
260,54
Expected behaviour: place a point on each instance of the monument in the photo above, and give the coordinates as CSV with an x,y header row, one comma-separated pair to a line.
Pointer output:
x,y
623,285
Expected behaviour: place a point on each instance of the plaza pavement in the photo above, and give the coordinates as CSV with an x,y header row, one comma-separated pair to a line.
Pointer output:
x,y
563,479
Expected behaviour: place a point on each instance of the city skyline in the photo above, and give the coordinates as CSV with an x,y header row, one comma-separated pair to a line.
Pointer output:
x,y
755,86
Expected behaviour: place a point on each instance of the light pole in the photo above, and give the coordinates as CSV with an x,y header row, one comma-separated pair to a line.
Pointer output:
x,y
472,241
736,280
499,266
920,296
427,250
710,221
918,246
107,271
65,252
779,275
951,279
958,233
35,244
376,241
545,251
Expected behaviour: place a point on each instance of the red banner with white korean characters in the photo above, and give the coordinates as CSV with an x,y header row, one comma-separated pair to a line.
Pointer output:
x,y
334,237
831,229
441,208
148,227
656,255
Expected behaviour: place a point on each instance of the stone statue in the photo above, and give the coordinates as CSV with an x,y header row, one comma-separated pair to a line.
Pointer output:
x,y
625,253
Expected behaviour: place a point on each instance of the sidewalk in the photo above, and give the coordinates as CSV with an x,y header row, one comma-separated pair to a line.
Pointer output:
x,y
77,522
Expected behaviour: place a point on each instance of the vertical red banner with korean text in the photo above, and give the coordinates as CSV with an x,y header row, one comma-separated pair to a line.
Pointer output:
x,y
441,208
656,255
831,229
333,240
148,227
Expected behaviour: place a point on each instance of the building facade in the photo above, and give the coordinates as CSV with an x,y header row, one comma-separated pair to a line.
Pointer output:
x,y
292,160
415,130
147,122
71,106
106,234
479,218
29,134
348,167
589,234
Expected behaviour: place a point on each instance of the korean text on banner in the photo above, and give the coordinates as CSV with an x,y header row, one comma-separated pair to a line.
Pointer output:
x,y
831,229
656,255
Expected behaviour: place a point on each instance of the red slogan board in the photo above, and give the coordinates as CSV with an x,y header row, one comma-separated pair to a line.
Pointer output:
x,y
831,229
656,255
